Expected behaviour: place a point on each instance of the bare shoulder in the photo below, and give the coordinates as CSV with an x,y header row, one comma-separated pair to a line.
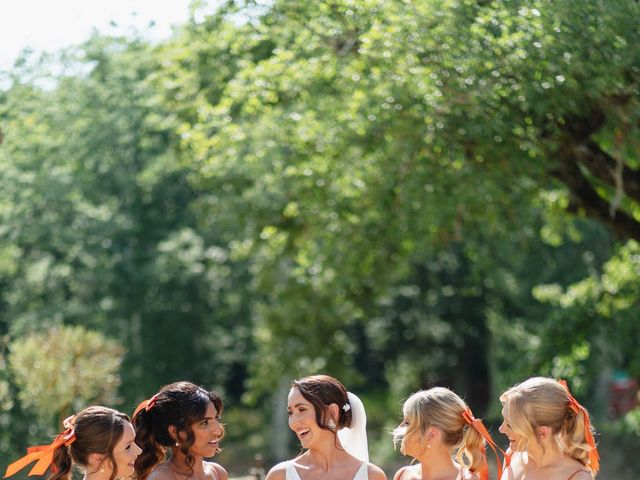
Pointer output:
x,y
574,470
582,475
400,473
161,472
375,473
408,472
219,471
277,472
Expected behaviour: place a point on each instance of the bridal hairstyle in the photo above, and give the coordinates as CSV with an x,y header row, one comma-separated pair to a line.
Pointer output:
x,y
541,401
351,426
94,430
321,391
441,408
180,404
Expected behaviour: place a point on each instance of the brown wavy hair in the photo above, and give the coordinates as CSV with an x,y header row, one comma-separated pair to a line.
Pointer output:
x,y
321,391
98,430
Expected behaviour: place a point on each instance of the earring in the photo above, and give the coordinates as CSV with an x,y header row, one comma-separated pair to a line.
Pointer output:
x,y
177,444
331,424
102,470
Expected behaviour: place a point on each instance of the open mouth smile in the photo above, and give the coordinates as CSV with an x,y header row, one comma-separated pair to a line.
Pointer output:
x,y
302,433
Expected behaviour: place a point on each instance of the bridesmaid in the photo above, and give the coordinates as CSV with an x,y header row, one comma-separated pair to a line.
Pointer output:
x,y
182,419
99,440
330,424
437,425
550,434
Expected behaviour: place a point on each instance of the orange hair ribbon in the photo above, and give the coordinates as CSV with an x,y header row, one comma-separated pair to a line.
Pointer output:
x,y
477,424
146,404
43,454
594,457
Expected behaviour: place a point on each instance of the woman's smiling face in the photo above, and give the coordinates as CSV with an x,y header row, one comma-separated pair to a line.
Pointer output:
x,y
410,444
302,419
505,428
207,433
125,452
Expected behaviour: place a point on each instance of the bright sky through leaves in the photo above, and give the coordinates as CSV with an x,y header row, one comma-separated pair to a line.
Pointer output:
x,y
48,26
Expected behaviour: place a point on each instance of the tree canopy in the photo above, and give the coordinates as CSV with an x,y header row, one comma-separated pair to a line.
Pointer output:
x,y
399,193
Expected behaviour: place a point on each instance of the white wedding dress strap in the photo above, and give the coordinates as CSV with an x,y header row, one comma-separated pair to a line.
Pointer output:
x,y
363,472
291,472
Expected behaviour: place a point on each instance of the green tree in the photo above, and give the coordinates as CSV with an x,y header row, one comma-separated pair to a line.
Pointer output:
x,y
98,226
61,370
399,193
368,138
600,310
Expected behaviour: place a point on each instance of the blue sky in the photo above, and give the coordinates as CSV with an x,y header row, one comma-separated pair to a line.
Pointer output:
x,y
49,25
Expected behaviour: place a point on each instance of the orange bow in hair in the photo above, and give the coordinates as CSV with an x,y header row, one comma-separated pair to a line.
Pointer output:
x,y
477,424
42,453
594,457
146,404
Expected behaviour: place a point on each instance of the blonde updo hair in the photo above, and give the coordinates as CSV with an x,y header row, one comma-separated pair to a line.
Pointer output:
x,y
441,408
539,402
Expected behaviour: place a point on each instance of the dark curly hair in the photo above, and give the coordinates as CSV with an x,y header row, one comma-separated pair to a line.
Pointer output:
x,y
180,404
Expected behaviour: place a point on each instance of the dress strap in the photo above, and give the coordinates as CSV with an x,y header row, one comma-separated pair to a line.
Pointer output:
x,y
363,472
402,470
291,473
215,474
575,473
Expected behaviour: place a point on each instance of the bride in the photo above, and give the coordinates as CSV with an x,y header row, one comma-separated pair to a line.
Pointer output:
x,y
330,424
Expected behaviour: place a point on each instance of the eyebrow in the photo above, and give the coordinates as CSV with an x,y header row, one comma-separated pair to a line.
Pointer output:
x,y
297,405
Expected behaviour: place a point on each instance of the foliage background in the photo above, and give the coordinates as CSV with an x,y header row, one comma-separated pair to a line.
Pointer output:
x,y
401,194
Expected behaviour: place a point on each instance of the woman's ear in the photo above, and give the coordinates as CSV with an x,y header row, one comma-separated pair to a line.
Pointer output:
x,y
432,433
173,433
95,461
543,432
333,413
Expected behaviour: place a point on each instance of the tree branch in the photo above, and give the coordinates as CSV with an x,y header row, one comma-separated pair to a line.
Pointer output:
x,y
603,166
585,196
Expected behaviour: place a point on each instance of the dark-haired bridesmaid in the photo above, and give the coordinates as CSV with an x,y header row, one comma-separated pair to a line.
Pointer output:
x,y
182,419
